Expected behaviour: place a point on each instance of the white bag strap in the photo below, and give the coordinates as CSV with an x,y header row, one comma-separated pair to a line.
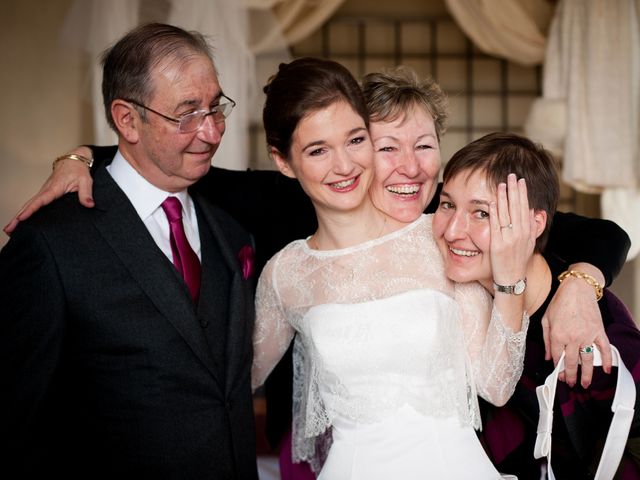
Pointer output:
x,y
622,408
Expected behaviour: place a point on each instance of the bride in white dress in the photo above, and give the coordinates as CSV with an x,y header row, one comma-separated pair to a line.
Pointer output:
x,y
390,354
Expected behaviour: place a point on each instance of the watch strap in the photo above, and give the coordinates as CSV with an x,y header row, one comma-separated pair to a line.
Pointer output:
x,y
515,289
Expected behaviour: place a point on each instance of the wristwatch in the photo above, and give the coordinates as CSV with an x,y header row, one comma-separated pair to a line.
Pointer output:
x,y
515,289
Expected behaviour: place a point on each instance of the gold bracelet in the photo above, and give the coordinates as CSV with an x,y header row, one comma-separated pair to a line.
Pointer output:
x,y
73,156
587,278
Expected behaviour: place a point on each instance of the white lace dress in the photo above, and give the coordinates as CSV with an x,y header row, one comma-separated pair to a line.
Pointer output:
x,y
388,358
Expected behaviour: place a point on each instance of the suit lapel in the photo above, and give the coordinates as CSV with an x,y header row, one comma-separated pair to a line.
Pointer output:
x,y
240,298
125,233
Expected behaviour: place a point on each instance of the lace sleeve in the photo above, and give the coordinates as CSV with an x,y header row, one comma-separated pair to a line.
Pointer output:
x,y
495,351
311,430
273,333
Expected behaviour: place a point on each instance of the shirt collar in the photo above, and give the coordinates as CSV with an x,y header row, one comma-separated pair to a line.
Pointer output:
x,y
144,196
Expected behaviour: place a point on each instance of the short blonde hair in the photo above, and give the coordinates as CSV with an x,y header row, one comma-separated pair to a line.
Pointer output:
x,y
391,94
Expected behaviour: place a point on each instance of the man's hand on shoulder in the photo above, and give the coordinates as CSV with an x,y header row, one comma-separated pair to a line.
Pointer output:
x,y
68,175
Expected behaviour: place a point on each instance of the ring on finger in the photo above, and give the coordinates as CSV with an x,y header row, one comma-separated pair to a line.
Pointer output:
x,y
586,350
506,226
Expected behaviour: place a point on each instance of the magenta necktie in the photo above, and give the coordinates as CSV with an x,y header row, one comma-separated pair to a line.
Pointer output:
x,y
184,258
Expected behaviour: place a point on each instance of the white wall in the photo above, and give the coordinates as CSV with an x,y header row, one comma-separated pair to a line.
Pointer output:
x,y
41,91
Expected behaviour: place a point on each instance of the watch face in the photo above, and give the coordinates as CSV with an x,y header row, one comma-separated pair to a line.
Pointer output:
x,y
519,287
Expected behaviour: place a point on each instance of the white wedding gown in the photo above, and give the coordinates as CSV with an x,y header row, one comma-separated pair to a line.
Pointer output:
x,y
389,357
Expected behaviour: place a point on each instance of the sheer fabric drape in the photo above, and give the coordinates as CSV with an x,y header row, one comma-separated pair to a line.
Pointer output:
x,y
292,19
590,109
511,29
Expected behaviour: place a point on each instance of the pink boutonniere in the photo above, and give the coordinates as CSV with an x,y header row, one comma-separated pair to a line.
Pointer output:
x,y
246,257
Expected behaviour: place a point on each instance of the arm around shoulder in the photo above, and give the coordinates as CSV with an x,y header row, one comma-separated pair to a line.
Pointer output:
x,y
601,243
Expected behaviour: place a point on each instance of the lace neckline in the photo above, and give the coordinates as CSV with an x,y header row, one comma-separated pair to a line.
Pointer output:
x,y
361,246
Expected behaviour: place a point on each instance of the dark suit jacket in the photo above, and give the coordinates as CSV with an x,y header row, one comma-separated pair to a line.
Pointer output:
x,y
108,369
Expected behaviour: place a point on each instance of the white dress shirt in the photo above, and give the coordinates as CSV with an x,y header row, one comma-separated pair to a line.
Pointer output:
x,y
147,200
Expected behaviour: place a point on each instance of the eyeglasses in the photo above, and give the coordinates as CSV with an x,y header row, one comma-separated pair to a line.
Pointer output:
x,y
193,121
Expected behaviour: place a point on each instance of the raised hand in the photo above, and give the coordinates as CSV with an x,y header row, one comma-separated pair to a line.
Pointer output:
x,y
512,232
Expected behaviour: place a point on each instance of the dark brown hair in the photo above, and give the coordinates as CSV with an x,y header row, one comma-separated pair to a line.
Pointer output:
x,y
128,65
499,154
304,86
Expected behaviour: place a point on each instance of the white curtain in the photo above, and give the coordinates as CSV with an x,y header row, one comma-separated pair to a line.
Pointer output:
x,y
293,20
511,29
94,25
225,23
274,25
592,65
590,108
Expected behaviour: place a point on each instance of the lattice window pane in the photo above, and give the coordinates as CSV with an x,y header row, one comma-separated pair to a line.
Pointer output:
x,y
458,105
487,112
522,78
452,75
310,46
486,75
451,143
380,38
416,38
518,110
450,38
343,38
422,66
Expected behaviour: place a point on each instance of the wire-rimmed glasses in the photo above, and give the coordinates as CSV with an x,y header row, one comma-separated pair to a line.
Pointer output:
x,y
193,121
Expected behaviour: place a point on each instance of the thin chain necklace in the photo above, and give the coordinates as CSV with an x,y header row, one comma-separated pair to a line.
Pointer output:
x,y
313,241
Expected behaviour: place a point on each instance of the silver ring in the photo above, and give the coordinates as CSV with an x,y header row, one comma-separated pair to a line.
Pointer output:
x,y
507,226
588,349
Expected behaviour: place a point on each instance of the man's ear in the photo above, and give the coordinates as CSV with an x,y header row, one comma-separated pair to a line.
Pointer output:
x,y
127,120
281,162
540,219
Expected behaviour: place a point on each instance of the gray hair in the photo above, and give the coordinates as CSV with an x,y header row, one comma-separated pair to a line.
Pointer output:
x,y
128,65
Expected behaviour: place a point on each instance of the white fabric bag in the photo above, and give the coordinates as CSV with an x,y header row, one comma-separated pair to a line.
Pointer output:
x,y
622,408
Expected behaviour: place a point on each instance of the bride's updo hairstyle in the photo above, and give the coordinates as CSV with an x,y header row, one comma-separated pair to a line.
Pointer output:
x,y
304,86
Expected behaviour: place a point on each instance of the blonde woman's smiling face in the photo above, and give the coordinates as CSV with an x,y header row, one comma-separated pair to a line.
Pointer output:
x,y
407,164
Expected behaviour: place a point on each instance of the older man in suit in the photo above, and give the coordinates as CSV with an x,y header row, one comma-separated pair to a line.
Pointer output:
x,y
126,329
